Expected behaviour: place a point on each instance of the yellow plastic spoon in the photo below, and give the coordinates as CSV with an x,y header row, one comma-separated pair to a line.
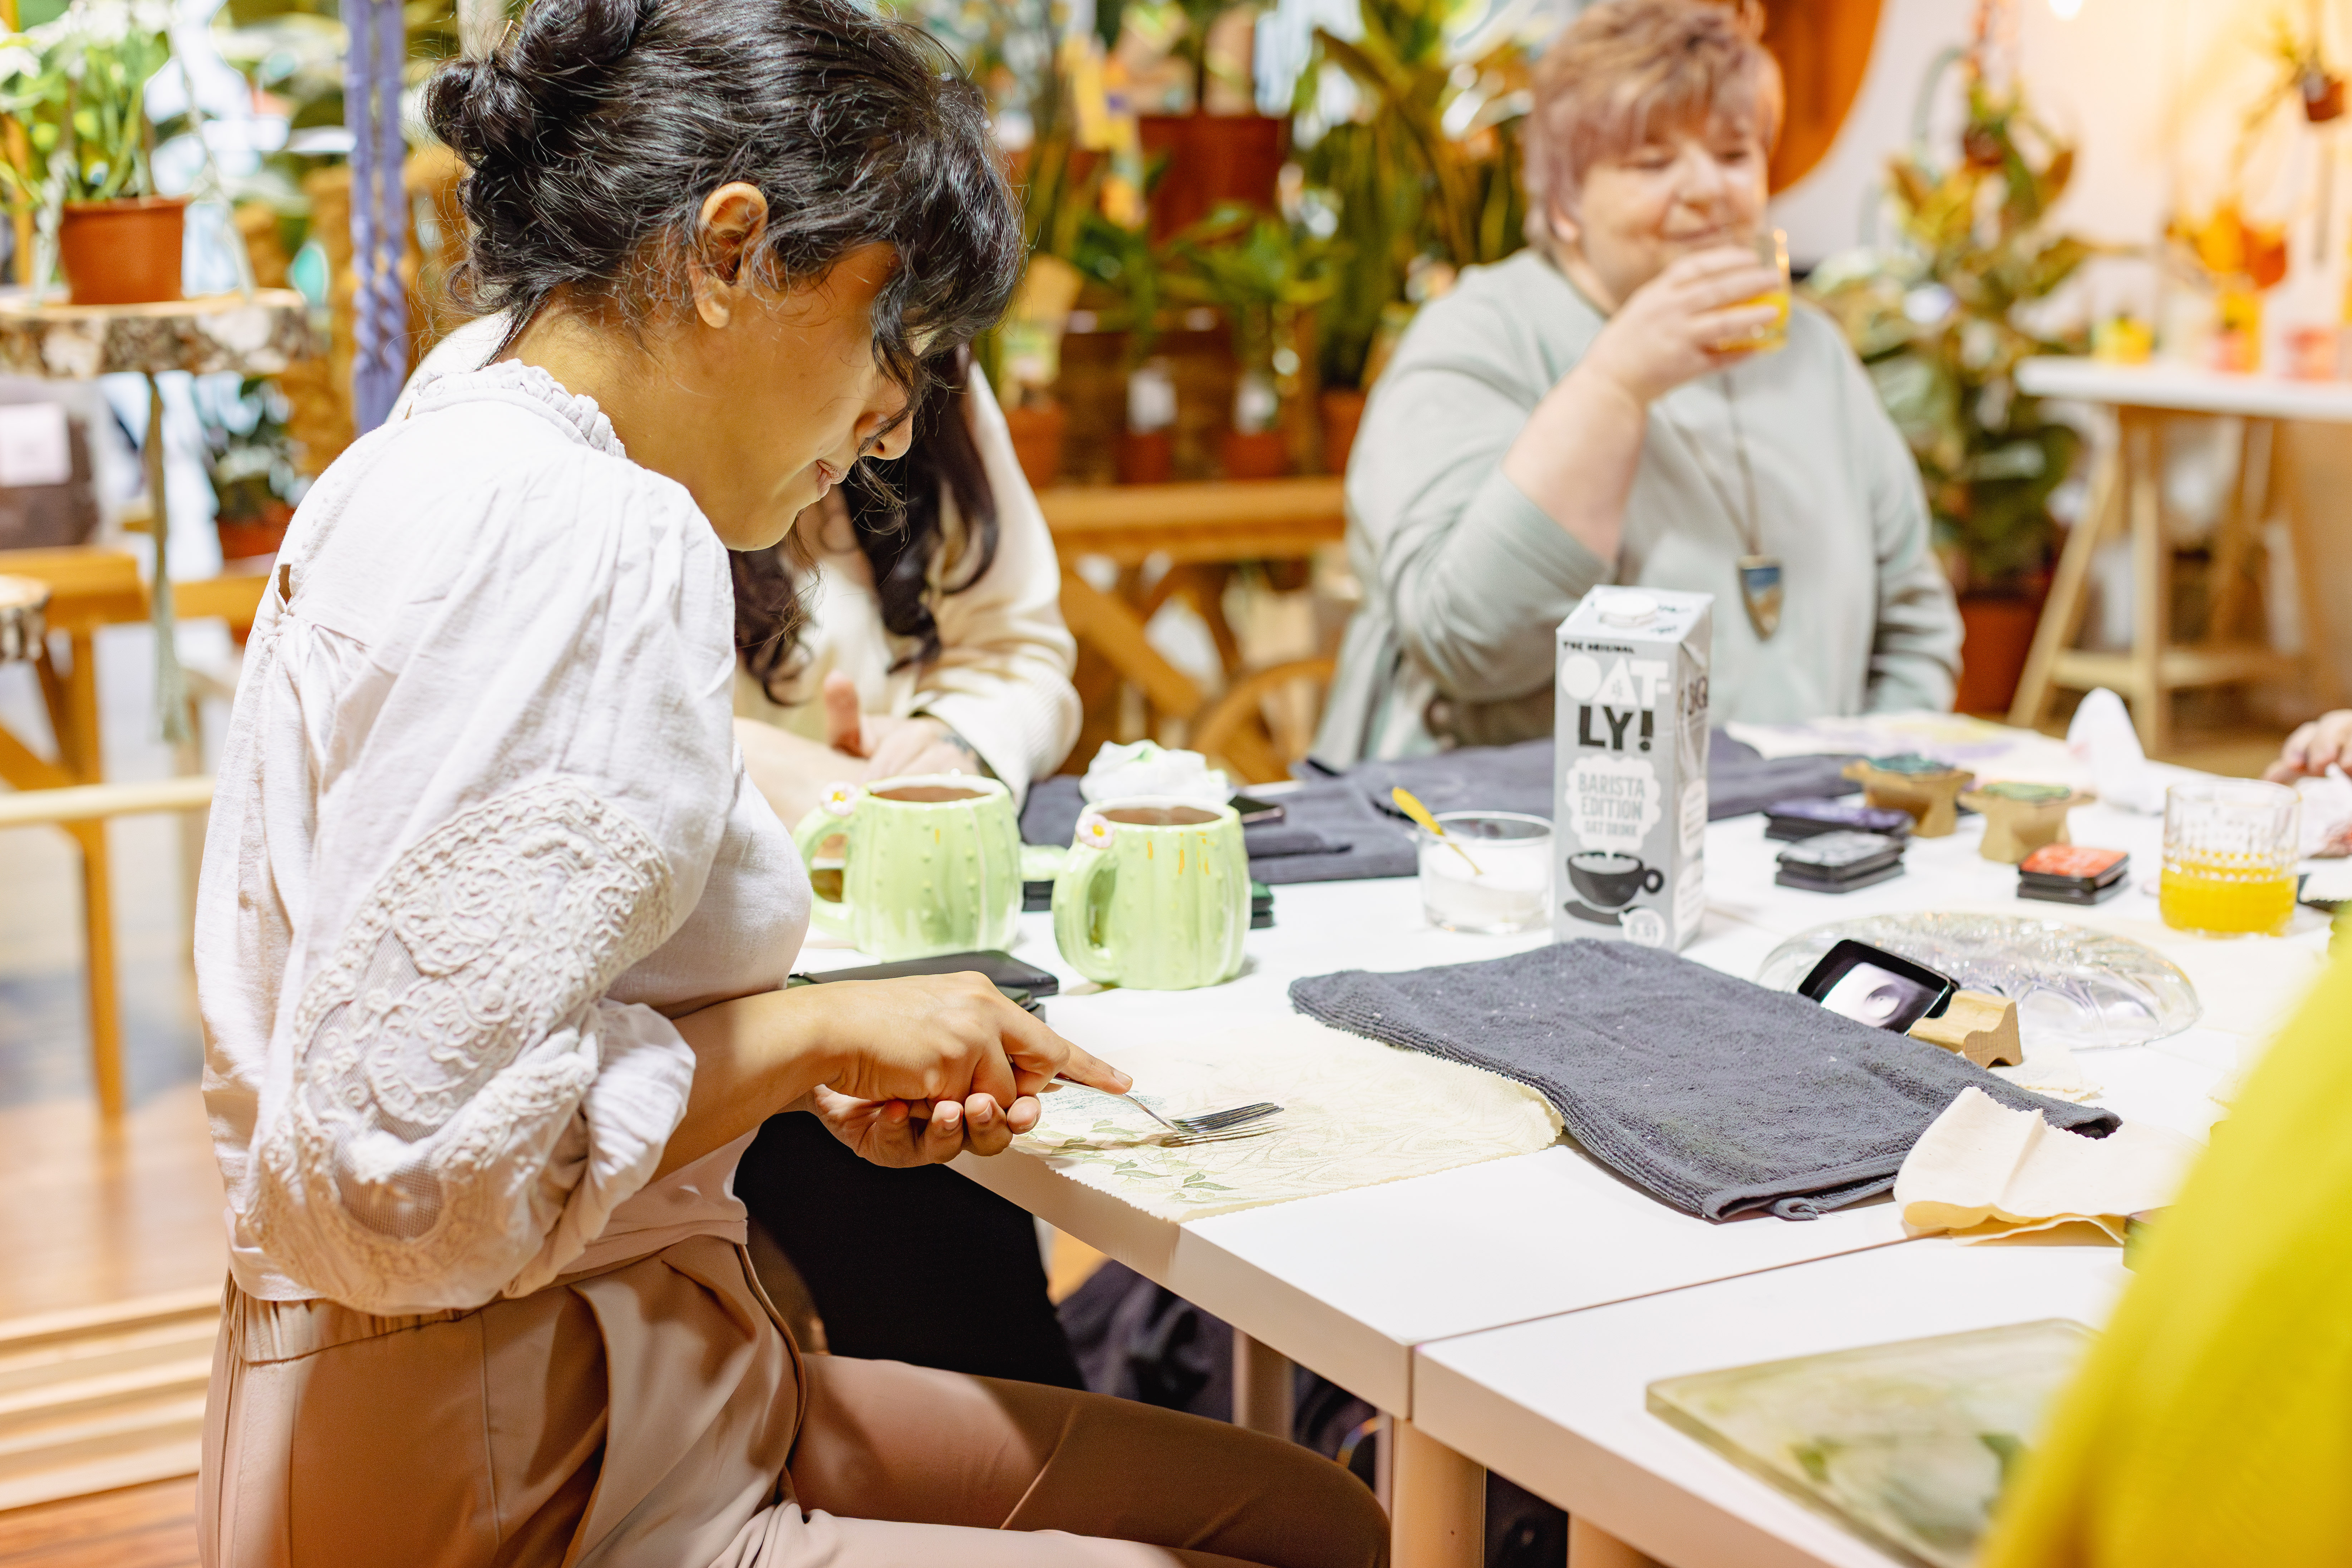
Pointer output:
x,y
1420,813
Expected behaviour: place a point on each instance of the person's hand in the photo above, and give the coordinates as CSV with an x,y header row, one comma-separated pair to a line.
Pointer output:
x,y
1672,328
889,1132
945,1050
2311,750
891,748
792,771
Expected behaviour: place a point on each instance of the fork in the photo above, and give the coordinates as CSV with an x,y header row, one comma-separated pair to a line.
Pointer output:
x,y
1209,1124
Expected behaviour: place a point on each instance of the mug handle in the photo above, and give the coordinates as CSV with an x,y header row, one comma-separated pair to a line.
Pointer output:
x,y
1074,889
1653,881
831,916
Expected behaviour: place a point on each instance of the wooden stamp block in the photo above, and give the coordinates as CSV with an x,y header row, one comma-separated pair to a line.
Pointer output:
x,y
1978,1025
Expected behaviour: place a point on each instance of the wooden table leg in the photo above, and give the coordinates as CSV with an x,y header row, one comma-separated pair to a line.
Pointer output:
x,y
1438,1501
2062,613
2151,700
2325,675
1116,631
73,714
1589,1546
1264,1379
97,935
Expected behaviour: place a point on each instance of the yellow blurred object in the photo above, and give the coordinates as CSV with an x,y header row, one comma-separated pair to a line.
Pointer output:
x,y
2123,340
2212,1424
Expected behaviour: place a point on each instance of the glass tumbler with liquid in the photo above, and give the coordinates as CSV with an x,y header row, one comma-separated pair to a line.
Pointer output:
x,y
1772,252
2229,850
1491,873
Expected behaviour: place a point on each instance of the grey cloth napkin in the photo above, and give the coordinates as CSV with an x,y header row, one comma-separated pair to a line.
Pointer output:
x,y
1519,778
1705,1091
1329,833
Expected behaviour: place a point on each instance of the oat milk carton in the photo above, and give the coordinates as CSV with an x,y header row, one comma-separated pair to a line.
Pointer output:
x,y
1629,767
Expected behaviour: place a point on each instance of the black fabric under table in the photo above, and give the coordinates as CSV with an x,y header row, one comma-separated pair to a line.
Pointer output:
x,y
921,1266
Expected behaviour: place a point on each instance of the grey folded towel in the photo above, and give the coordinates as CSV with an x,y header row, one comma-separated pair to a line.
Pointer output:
x,y
1329,833
1705,1091
1519,778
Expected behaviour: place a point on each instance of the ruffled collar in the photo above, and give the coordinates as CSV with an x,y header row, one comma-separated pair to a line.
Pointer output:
x,y
511,381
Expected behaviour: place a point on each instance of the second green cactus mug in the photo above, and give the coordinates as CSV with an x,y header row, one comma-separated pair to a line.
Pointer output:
x,y
929,864
1155,895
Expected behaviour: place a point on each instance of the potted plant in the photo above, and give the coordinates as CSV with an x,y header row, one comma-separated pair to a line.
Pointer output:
x,y
250,458
78,86
1423,178
1124,261
1207,160
1940,321
1266,278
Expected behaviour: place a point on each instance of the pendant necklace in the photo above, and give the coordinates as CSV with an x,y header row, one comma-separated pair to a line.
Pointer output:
x,y
1759,574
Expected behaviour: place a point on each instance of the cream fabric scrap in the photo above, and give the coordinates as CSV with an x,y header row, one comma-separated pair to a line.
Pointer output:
x,y
1982,1169
1355,1113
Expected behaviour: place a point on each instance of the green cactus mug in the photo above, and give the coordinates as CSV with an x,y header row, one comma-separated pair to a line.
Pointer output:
x,y
1155,895
929,864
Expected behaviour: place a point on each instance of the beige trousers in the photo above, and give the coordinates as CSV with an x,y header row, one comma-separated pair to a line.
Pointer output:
x,y
657,1414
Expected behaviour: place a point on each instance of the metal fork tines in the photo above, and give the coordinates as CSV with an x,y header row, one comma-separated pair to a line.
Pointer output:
x,y
1209,1124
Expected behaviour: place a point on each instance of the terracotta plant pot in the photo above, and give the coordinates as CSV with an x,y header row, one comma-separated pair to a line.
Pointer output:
x,y
1264,456
1212,159
1037,431
1997,632
122,252
242,539
1147,457
1343,410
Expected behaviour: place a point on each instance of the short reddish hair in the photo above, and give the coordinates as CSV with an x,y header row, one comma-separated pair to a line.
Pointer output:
x,y
1627,69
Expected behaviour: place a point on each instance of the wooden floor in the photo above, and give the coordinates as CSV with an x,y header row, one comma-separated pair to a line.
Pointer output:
x,y
99,1214
138,1527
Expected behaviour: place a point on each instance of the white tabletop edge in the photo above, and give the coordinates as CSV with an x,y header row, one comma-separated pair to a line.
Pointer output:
x,y
2186,389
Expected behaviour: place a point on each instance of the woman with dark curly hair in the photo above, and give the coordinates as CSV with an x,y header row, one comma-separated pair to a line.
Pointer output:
x,y
493,932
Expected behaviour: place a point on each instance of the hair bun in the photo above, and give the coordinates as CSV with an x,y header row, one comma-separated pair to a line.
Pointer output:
x,y
497,107
562,41
480,110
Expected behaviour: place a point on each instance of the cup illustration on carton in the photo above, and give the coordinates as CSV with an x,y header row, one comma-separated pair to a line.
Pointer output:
x,y
1606,881
1629,766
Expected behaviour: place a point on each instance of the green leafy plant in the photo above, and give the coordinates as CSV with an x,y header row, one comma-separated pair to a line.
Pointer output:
x,y
1426,171
1942,317
1261,272
78,86
249,455
1125,261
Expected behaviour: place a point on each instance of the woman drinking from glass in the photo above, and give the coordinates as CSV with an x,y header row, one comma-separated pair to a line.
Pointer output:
x,y
1604,407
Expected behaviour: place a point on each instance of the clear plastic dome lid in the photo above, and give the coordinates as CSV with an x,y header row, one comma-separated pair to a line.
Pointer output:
x,y
2072,986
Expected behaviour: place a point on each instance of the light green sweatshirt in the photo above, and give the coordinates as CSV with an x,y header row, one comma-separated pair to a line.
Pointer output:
x,y
1465,579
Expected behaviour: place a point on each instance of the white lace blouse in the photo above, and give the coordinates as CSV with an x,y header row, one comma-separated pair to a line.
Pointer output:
x,y
480,830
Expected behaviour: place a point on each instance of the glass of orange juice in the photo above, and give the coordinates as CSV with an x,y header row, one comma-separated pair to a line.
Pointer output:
x,y
1771,251
2229,857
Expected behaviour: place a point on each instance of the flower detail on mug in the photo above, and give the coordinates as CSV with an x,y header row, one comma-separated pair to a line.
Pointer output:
x,y
1094,831
840,800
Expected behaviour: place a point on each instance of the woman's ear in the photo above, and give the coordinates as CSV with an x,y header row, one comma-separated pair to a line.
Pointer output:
x,y
1563,225
727,232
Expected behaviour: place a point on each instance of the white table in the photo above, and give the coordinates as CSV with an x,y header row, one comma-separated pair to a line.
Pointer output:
x,y
1559,1405
1351,1283
2127,500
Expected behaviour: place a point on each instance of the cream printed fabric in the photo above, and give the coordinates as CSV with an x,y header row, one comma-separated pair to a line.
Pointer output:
x,y
1355,1113
1984,1170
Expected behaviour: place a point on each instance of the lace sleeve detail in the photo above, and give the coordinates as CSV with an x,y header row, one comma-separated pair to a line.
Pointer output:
x,y
439,1119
